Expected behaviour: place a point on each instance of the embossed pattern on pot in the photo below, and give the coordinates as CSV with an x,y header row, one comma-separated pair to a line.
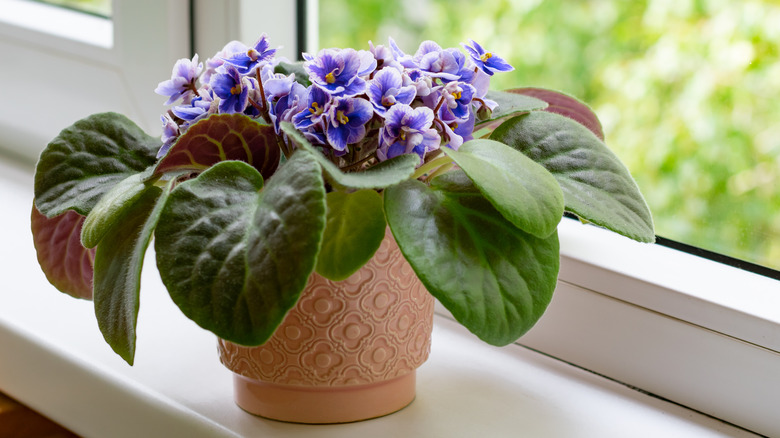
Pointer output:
x,y
371,327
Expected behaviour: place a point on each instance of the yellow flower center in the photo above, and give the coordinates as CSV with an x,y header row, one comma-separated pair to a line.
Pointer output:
x,y
341,117
456,95
315,108
236,89
486,56
252,54
329,78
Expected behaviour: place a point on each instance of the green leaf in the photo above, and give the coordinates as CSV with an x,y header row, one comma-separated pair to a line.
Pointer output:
x,y
235,254
494,278
66,263
113,207
512,103
354,230
301,76
380,176
85,161
223,137
596,185
565,105
118,262
522,190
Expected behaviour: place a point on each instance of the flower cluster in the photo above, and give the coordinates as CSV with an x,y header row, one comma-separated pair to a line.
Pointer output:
x,y
358,105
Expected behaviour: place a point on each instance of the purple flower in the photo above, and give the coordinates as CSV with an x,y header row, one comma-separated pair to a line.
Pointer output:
x,y
231,89
345,121
407,130
285,98
458,133
439,64
384,57
317,103
387,89
249,59
338,71
423,84
169,135
481,82
456,100
181,85
405,60
464,70
213,63
198,108
487,61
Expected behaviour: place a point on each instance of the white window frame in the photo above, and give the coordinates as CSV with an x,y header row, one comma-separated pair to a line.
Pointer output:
x,y
244,20
53,78
693,331
690,330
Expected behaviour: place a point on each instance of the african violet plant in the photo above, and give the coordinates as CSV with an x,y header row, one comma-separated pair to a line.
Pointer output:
x,y
269,170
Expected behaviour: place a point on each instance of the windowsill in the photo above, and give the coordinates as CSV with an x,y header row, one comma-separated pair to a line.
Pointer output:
x,y
55,360
717,297
72,25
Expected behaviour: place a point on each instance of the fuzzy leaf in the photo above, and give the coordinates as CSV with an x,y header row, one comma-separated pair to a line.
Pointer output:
x,y
235,254
85,161
118,262
512,103
567,106
380,176
354,230
113,207
66,263
494,278
596,185
223,137
522,190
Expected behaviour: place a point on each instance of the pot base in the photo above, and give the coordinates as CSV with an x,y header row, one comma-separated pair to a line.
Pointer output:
x,y
323,405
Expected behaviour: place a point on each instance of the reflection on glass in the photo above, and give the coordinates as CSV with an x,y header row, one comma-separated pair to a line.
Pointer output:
x,y
686,89
100,8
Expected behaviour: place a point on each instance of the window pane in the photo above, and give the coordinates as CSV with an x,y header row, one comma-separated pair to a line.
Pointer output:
x,y
101,8
686,89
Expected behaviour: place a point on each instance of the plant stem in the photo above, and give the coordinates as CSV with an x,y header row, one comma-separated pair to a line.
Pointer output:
x,y
358,164
442,169
264,107
286,149
429,166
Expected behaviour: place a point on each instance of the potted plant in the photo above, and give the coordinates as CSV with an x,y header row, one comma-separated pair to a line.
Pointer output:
x,y
272,175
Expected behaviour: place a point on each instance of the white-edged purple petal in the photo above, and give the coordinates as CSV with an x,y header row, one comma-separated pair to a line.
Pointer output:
x,y
405,60
425,48
181,85
346,119
367,62
336,71
337,137
407,130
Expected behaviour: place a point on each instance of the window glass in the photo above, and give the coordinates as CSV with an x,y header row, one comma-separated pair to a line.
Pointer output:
x,y
101,8
686,90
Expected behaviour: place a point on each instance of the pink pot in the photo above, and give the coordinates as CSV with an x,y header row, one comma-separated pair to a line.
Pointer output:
x,y
347,351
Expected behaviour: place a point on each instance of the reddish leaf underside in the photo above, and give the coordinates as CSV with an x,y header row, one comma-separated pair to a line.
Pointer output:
x,y
566,106
224,137
67,264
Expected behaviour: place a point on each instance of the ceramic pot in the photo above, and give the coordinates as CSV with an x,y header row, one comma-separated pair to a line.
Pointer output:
x,y
347,351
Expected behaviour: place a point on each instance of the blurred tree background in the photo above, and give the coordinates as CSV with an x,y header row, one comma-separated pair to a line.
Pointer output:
x,y
688,92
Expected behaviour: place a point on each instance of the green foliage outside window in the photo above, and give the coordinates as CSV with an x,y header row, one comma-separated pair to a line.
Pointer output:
x,y
687,91
101,8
